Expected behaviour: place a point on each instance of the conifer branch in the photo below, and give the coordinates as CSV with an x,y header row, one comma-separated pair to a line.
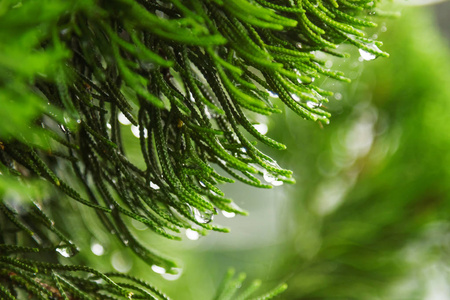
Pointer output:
x,y
188,76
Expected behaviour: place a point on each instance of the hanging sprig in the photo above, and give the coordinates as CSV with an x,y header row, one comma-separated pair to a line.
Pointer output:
x,y
231,285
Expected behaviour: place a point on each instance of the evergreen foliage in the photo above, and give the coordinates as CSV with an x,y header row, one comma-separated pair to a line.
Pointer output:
x,y
192,77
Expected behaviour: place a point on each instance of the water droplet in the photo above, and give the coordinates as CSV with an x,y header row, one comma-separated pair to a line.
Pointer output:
x,y
295,97
272,94
261,128
192,234
328,64
202,216
67,251
122,119
191,97
227,214
366,55
312,104
169,276
108,125
154,186
383,28
277,182
338,96
207,113
97,249
268,177
136,131
138,225
121,262
202,184
158,269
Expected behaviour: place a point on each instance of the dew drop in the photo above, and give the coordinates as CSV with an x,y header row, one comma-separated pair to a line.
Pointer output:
x,y
97,249
261,128
295,97
158,269
122,119
366,55
154,186
138,225
272,94
121,262
191,97
170,276
328,64
136,131
312,104
67,251
338,96
207,113
108,125
269,177
277,183
192,234
227,214
202,216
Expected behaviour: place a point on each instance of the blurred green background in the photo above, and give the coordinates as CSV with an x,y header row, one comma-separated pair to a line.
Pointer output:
x,y
368,216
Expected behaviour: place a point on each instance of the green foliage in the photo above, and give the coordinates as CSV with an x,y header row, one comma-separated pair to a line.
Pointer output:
x,y
230,285
192,78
